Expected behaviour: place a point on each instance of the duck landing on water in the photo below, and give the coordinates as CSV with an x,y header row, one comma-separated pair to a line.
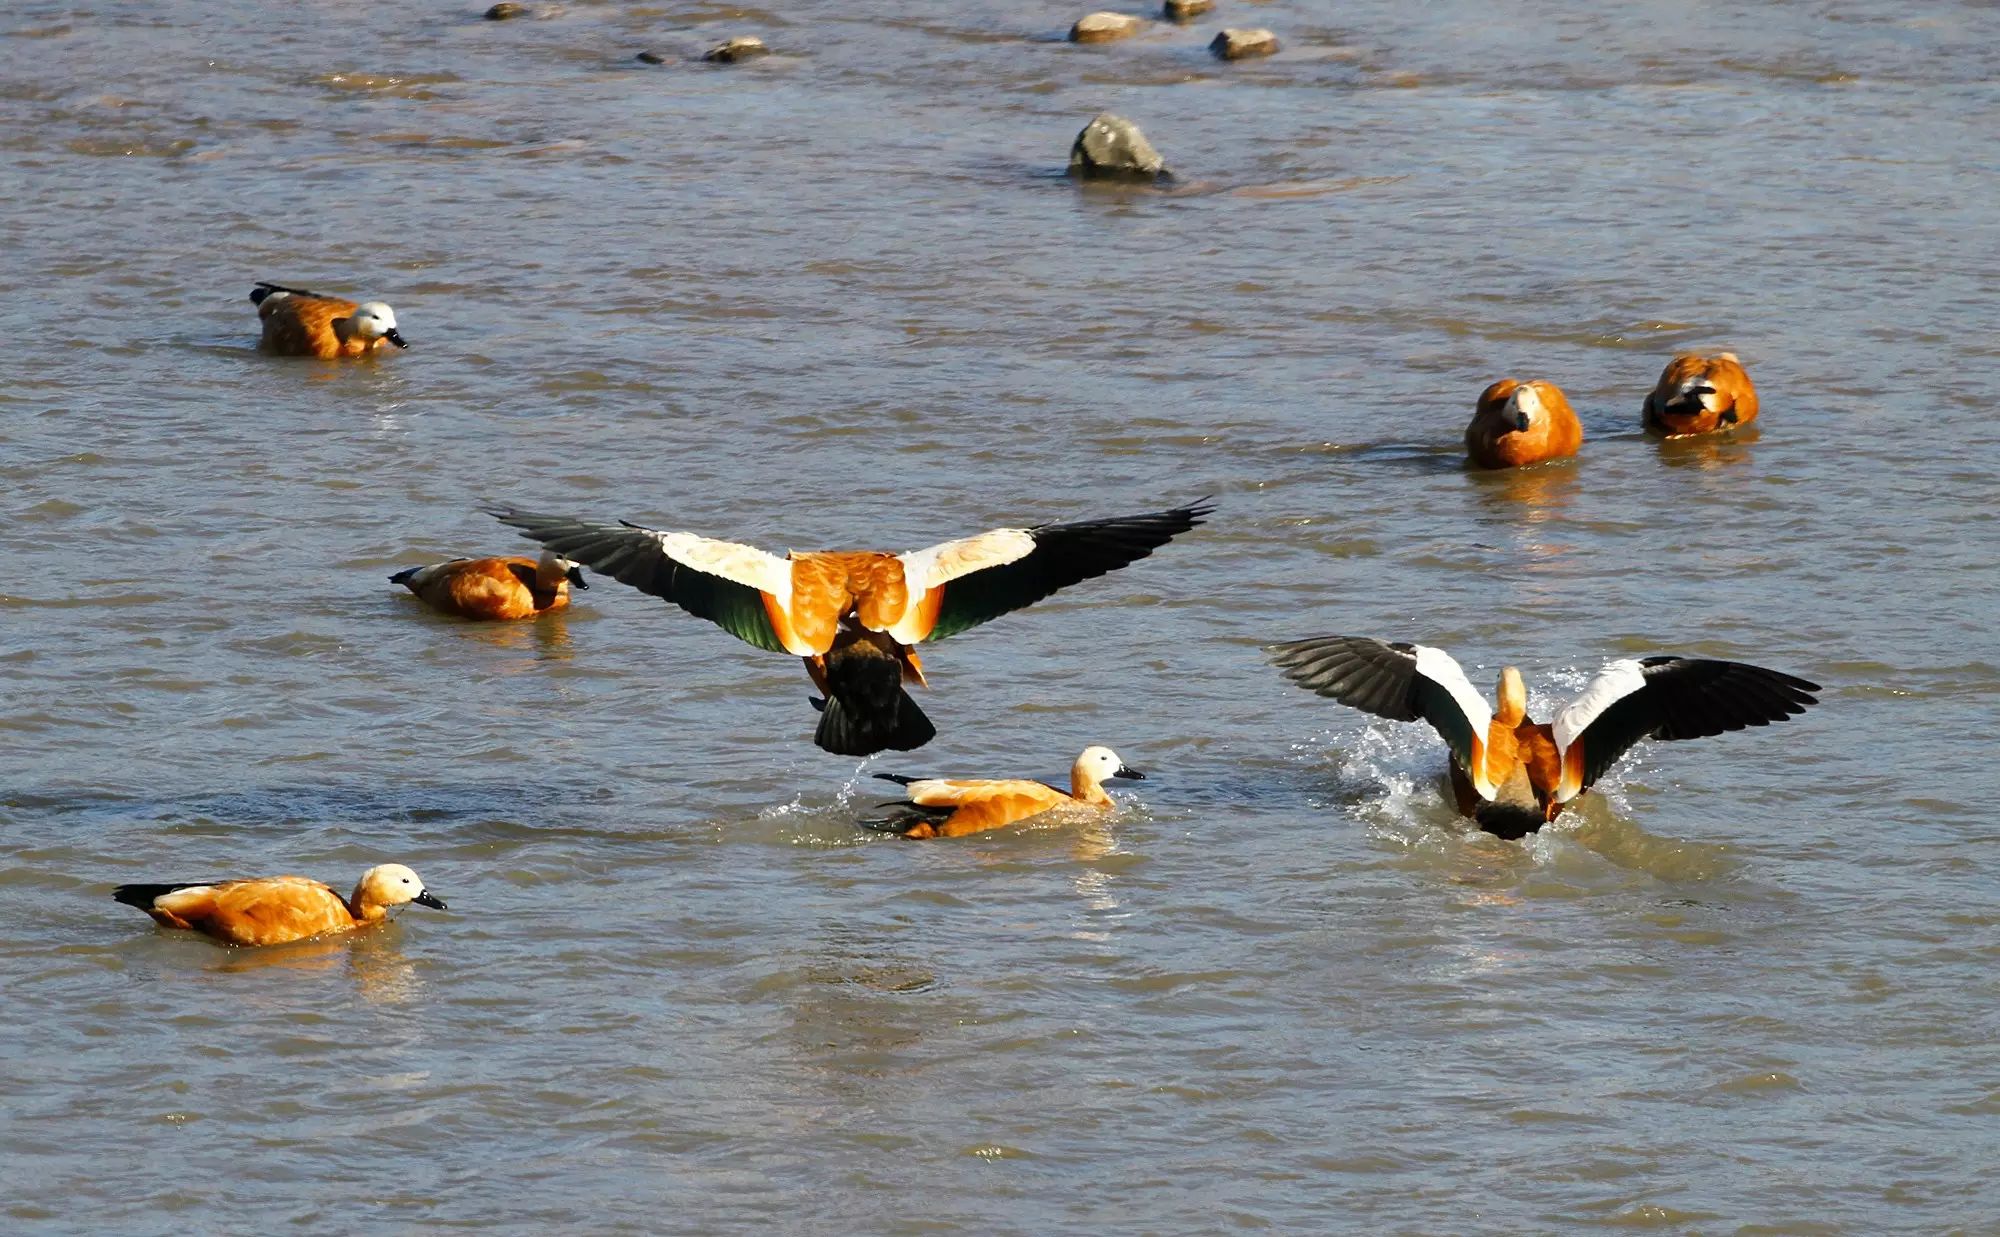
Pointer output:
x,y
1514,775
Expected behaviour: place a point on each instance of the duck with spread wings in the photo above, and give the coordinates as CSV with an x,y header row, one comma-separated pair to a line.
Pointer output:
x,y
855,616
1514,775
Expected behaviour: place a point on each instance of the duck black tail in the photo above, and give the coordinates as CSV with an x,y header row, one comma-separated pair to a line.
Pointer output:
x,y
142,896
404,576
866,708
906,817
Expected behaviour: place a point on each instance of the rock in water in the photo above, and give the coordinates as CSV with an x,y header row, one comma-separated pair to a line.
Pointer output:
x,y
1103,27
1243,43
1112,146
506,9
1187,10
742,47
650,58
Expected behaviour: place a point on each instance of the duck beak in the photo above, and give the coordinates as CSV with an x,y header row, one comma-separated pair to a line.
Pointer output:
x,y
1129,773
427,898
575,577
395,337
1520,420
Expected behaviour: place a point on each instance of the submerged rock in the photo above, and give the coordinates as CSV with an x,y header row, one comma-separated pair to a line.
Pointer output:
x,y
1242,43
1111,146
742,47
506,9
1104,27
1186,10
650,58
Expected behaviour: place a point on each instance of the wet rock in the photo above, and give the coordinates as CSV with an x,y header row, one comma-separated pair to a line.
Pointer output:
x,y
1243,43
1104,27
731,51
650,58
506,9
1186,10
1112,147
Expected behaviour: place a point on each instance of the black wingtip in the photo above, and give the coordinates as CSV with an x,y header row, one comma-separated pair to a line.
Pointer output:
x,y
143,896
899,778
404,576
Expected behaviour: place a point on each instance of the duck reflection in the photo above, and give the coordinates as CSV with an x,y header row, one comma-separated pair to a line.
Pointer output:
x,y
374,959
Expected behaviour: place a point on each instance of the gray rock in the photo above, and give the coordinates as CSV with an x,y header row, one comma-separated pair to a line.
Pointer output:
x,y
506,9
650,58
730,51
1243,43
1111,146
1104,27
1186,10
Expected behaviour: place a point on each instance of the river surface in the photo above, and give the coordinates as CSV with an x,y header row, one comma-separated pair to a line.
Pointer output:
x,y
844,297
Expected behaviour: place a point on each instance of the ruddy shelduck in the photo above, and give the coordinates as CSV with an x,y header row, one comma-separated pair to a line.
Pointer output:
x,y
1513,775
854,616
1520,423
1699,395
273,910
514,587
950,808
300,323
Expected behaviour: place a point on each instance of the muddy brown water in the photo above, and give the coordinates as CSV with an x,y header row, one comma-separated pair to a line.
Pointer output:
x,y
842,296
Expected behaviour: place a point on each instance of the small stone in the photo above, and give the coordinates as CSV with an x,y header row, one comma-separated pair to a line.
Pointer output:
x,y
506,9
1242,43
1104,27
1112,146
742,47
1187,10
650,58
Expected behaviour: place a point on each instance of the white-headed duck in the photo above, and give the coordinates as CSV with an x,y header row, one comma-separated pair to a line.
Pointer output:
x,y
273,910
300,323
1699,395
1520,423
511,587
950,808
854,615
1514,775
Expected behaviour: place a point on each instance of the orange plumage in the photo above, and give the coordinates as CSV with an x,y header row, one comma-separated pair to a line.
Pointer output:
x,y
1700,395
512,587
300,323
274,910
1518,423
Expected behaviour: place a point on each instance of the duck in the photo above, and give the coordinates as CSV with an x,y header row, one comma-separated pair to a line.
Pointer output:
x,y
855,616
275,910
1699,395
301,323
510,587
1511,774
950,808
1517,423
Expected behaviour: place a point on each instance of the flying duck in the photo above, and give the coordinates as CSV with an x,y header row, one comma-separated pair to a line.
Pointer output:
x,y
1699,395
950,808
273,910
514,587
1513,775
300,323
855,615
1520,423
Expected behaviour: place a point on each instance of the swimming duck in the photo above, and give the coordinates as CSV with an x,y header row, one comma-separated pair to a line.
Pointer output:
x,y
1511,774
1520,423
950,808
300,323
272,910
853,616
1699,395
513,587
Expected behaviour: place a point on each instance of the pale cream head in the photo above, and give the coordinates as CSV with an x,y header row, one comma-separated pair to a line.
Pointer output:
x,y
552,566
392,884
1099,763
374,320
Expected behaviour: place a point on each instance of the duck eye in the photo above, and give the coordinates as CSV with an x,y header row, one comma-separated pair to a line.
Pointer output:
x,y
406,880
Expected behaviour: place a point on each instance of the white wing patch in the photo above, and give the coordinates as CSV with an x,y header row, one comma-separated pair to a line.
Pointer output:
x,y
1616,681
1441,668
739,564
426,574
924,570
